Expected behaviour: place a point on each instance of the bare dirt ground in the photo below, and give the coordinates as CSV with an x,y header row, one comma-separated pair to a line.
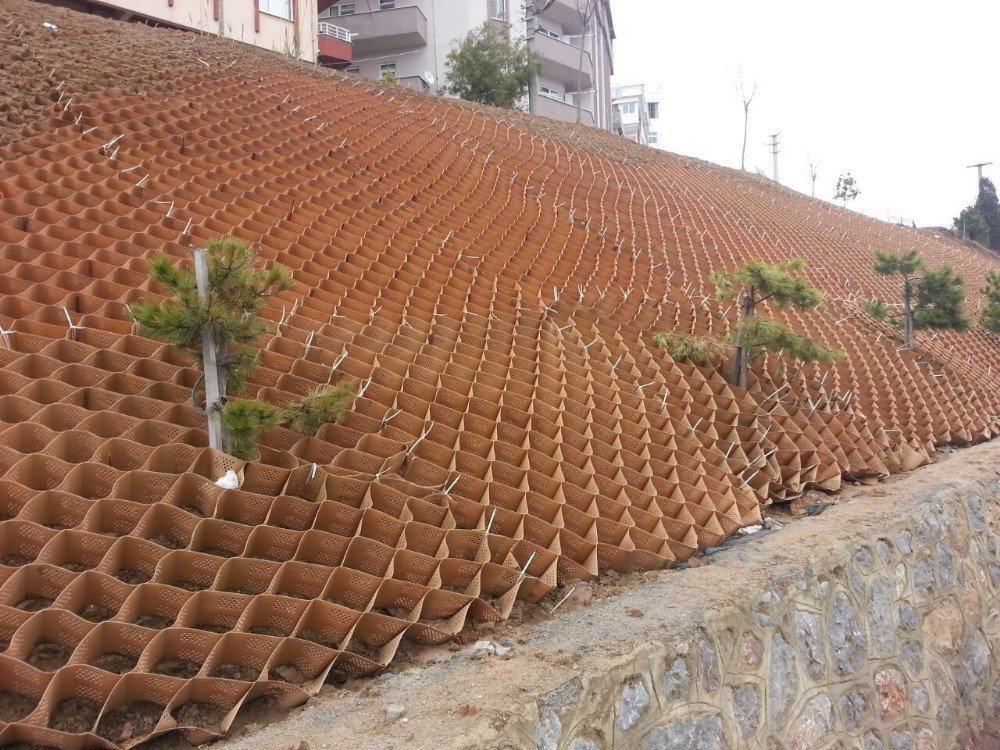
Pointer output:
x,y
452,699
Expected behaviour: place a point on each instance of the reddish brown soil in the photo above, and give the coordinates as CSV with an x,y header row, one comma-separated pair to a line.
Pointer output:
x,y
74,715
133,577
193,714
288,673
115,662
33,604
14,707
177,668
15,561
96,613
235,672
154,622
48,657
128,722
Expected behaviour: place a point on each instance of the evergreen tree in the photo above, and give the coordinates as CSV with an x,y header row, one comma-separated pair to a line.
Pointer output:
x,y
990,318
755,284
931,299
940,301
908,267
487,67
237,294
971,225
988,206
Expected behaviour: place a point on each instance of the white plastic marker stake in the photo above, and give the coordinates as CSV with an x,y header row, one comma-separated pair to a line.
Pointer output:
x,y
524,570
560,602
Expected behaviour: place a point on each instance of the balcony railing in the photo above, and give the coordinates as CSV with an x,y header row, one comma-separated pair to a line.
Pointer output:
x,y
333,31
334,45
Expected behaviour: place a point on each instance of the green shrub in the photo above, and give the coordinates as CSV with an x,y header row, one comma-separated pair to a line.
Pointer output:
x,y
244,420
321,406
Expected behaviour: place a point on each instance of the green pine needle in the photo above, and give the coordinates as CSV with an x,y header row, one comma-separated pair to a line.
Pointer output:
x,y
244,420
990,318
699,350
321,406
759,335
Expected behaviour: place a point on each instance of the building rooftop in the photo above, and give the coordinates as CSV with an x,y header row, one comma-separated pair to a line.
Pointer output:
x,y
494,281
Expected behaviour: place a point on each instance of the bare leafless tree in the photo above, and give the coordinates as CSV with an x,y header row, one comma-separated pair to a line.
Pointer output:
x,y
813,174
746,118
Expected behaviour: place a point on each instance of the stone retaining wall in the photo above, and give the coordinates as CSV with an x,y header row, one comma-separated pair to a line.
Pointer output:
x,y
893,643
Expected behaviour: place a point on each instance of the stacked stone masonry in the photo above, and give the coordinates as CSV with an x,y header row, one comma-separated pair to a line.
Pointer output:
x,y
893,644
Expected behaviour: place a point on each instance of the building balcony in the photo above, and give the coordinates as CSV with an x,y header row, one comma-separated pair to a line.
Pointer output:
x,y
559,110
381,32
335,48
560,61
565,14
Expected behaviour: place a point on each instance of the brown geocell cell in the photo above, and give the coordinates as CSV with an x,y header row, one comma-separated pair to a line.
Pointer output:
x,y
502,442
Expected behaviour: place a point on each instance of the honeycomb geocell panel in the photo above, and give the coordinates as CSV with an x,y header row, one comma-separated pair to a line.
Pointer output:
x,y
490,281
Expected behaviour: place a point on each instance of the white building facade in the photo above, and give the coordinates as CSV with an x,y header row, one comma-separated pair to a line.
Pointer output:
x,y
638,115
410,40
288,27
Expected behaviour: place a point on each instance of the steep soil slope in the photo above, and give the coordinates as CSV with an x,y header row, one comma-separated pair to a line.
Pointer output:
x,y
490,281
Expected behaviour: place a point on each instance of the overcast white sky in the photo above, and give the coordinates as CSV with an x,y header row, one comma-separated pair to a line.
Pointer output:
x,y
904,94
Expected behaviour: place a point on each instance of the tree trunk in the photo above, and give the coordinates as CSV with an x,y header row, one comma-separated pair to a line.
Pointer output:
x,y
741,360
908,327
214,372
746,124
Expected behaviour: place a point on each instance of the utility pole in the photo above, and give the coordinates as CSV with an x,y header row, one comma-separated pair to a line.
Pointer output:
x,y
774,153
979,168
213,385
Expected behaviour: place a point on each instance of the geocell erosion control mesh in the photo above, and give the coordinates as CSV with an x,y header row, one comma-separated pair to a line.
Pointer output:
x,y
490,282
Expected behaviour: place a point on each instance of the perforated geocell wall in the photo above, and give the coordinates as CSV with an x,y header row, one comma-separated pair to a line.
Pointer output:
x,y
490,282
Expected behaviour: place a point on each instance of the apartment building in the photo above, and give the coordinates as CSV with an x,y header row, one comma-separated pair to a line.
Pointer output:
x,y
288,27
654,100
631,113
410,41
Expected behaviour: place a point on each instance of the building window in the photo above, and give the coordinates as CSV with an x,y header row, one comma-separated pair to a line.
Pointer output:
x,y
345,9
549,32
551,93
628,108
279,8
355,69
652,139
386,4
498,10
654,110
387,71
